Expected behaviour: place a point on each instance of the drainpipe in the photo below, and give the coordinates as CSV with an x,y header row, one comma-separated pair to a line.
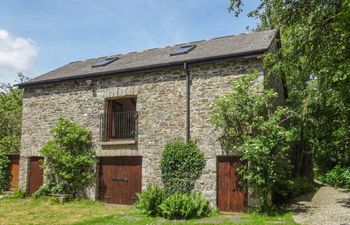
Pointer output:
x,y
187,116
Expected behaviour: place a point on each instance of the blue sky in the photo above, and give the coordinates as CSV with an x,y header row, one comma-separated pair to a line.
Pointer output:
x,y
37,36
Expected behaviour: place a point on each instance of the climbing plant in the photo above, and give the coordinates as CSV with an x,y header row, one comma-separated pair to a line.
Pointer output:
x,y
4,171
181,165
69,159
254,129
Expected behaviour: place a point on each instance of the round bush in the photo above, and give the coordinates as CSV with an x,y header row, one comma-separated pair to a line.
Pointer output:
x,y
181,165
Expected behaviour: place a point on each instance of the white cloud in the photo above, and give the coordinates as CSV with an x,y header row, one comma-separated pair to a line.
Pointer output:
x,y
16,53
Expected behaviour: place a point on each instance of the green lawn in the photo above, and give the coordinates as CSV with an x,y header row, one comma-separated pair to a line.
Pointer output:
x,y
30,211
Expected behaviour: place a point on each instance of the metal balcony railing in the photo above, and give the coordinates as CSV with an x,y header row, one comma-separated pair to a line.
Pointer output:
x,y
118,126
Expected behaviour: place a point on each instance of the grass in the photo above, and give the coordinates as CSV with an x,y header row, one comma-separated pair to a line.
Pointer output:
x,y
85,212
139,219
43,211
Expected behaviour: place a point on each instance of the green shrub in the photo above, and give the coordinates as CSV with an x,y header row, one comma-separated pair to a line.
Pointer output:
x,y
286,189
69,158
4,172
185,206
301,186
254,129
150,200
43,191
11,99
47,189
10,143
337,177
181,165
18,194
54,200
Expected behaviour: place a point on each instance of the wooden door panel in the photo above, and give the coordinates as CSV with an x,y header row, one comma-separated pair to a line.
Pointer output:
x,y
131,167
108,170
123,168
230,196
14,173
120,179
36,174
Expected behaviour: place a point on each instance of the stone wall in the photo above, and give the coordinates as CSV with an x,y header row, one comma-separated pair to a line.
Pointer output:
x,y
161,107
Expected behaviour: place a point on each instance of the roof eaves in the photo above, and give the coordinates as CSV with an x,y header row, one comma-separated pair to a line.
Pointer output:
x,y
253,53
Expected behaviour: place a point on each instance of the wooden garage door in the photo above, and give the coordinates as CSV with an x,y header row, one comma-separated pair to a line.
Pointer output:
x,y
14,172
230,196
35,174
120,179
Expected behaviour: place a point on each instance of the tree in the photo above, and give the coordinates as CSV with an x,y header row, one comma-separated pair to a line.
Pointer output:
x,y
254,130
69,159
315,59
10,116
10,127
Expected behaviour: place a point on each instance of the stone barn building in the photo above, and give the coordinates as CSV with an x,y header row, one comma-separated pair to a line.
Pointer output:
x,y
135,103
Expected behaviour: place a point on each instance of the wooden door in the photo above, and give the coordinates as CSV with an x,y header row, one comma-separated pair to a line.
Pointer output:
x,y
14,172
36,174
120,179
230,196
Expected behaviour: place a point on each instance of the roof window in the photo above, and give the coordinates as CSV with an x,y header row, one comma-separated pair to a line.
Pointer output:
x,y
183,50
105,61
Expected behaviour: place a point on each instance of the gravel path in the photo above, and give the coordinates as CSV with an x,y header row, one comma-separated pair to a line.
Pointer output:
x,y
327,206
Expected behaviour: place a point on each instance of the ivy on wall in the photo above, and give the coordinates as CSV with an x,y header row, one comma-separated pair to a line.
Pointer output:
x,y
69,159
181,165
4,172
256,131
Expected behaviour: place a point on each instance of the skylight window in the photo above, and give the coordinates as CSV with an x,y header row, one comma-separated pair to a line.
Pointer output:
x,y
183,50
105,61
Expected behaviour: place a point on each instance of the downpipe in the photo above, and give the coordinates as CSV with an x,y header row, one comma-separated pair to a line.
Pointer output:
x,y
188,93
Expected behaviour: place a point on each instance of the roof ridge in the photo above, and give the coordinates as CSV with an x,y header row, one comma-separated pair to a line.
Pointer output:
x,y
226,48
170,46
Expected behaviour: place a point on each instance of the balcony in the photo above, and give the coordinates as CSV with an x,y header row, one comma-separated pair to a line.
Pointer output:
x,y
119,127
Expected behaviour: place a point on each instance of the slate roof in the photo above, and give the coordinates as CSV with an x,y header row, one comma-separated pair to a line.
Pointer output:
x,y
216,48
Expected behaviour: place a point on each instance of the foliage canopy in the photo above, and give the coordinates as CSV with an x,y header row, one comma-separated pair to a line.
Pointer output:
x,y
69,159
254,130
181,165
4,172
315,60
11,99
